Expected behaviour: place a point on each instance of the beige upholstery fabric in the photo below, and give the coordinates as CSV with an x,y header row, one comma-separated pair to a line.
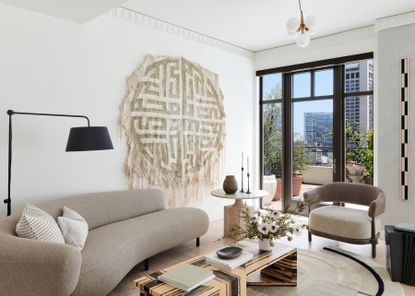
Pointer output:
x,y
106,261
346,224
30,267
103,208
361,194
130,226
341,221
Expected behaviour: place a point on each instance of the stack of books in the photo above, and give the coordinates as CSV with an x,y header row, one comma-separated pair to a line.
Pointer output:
x,y
229,264
186,277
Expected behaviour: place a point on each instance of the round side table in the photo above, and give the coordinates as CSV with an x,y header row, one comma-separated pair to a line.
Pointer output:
x,y
232,213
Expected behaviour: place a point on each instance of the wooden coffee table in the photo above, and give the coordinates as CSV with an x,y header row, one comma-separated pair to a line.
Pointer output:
x,y
275,268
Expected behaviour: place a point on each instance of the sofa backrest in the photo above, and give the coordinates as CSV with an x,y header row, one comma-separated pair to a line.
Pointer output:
x,y
104,208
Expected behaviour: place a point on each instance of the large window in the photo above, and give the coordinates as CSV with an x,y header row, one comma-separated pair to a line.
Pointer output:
x,y
316,126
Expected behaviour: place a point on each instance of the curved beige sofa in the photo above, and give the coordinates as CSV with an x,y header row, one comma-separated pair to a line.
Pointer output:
x,y
125,228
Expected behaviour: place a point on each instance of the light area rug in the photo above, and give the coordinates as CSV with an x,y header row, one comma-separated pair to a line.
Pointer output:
x,y
326,273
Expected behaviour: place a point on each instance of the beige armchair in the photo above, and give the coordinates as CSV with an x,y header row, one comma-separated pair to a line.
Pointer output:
x,y
343,223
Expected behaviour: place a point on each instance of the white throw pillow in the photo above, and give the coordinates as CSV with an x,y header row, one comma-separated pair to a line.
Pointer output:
x,y
38,225
74,228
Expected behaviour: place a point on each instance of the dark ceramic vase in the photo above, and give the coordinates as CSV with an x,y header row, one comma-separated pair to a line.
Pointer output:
x,y
230,186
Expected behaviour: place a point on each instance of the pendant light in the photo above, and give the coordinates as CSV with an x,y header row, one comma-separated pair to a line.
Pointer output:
x,y
302,29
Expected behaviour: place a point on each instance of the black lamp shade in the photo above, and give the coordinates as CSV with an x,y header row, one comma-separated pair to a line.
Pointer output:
x,y
87,138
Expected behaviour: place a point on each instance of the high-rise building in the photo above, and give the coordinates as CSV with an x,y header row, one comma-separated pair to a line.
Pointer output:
x,y
318,128
359,109
318,137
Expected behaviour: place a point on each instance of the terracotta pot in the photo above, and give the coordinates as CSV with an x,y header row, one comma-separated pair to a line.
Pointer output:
x,y
278,190
230,186
368,180
297,182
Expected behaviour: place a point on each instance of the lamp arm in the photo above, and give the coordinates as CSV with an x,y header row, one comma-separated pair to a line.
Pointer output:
x,y
11,112
9,168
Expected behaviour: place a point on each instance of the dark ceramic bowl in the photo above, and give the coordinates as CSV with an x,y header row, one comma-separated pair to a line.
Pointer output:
x,y
229,252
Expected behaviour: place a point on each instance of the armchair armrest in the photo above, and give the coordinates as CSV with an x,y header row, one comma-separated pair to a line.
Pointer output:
x,y
30,267
314,196
377,206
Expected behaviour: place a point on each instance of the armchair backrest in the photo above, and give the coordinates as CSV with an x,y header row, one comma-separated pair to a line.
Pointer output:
x,y
361,194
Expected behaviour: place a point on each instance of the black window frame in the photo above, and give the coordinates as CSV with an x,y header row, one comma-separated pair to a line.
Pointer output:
x,y
339,95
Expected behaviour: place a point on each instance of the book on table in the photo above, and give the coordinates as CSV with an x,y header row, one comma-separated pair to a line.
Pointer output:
x,y
186,277
229,264
405,227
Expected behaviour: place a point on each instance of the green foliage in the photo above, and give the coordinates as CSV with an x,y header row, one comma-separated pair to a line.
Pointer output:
x,y
368,154
299,159
273,138
362,152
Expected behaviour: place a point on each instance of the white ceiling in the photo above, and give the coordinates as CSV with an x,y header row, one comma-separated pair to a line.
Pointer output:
x,y
260,24
78,11
251,24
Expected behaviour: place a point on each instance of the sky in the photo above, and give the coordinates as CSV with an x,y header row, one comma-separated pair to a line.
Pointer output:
x,y
301,87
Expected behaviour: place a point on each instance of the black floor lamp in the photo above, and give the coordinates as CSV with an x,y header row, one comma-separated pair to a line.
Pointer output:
x,y
85,138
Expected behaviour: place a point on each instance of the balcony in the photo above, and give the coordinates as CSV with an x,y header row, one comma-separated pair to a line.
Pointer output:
x,y
314,176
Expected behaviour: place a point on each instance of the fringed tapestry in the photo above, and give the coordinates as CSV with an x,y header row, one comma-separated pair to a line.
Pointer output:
x,y
174,120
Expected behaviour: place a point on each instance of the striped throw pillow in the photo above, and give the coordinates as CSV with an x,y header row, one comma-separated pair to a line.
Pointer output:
x,y
38,225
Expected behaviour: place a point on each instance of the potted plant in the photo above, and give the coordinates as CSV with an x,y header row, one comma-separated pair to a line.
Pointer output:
x,y
273,159
299,166
269,225
368,158
360,151
273,145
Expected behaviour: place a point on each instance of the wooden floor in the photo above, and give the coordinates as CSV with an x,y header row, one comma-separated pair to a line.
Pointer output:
x,y
213,241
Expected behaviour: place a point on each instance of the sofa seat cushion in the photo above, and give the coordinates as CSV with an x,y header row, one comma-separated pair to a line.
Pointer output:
x,y
342,221
111,251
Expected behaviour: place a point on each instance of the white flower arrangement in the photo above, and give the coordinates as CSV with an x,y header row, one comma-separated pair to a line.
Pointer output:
x,y
270,224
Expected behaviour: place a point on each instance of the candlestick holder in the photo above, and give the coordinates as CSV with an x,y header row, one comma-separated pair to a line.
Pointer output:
x,y
242,179
248,192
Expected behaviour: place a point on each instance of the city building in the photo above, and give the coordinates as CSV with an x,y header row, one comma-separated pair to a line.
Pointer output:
x,y
359,109
318,128
318,137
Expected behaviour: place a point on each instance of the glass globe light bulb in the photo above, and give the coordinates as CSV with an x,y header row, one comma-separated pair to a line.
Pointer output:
x,y
303,40
311,21
293,24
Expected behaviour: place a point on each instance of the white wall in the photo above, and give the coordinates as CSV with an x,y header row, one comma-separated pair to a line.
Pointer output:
x,y
393,45
50,65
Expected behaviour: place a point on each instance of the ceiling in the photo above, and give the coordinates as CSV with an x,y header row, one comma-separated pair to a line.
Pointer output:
x,y
78,11
260,24
250,24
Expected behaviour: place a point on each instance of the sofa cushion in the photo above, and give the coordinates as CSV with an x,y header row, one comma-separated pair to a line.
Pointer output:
x,y
74,228
342,221
103,208
111,251
38,225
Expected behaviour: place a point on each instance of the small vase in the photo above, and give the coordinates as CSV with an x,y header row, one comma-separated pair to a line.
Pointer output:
x,y
230,186
265,245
